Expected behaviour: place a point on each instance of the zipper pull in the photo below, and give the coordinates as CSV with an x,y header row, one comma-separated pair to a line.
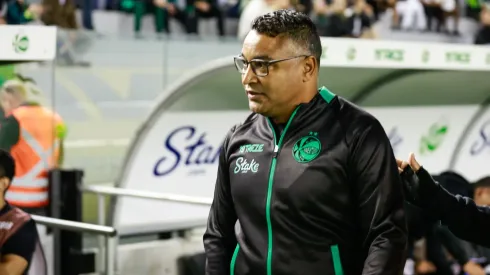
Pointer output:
x,y
276,151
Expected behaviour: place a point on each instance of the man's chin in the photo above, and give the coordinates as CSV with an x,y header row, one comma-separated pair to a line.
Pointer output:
x,y
255,107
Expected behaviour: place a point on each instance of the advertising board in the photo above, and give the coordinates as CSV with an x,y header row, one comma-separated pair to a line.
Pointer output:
x,y
473,159
180,156
27,43
430,132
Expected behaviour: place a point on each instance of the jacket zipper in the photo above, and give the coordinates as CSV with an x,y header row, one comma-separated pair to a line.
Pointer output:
x,y
277,147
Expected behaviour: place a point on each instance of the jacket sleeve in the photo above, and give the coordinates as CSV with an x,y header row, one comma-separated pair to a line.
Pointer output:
x,y
219,238
462,216
452,244
380,202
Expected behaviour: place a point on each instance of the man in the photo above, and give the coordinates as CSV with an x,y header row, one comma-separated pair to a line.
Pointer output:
x,y
33,135
19,12
19,241
464,218
308,184
481,196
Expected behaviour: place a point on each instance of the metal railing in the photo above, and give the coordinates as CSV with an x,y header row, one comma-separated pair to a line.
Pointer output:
x,y
108,233
103,191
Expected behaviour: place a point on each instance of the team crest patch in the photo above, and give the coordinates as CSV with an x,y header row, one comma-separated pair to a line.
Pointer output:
x,y
307,148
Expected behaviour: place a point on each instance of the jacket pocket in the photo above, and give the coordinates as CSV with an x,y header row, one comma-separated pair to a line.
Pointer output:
x,y
337,264
233,259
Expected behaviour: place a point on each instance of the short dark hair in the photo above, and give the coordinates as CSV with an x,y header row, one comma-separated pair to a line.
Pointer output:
x,y
294,25
7,165
483,182
454,183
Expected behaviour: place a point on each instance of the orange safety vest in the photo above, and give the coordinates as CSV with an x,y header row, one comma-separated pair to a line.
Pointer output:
x,y
36,152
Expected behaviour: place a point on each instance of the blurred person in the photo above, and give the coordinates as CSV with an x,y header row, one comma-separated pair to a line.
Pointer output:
x,y
20,249
34,137
460,214
350,21
172,10
433,12
482,37
361,20
256,8
438,239
481,196
410,11
87,11
3,11
304,6
19,12
481,192
70,40
60,13
450,9
231,8
204,9
163,9
391,6
441,237
293,196
473,9
322,10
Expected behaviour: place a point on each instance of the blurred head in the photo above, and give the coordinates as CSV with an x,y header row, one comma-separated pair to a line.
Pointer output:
x,y
7,172
481,194
12,95
485,17
279,62
454,183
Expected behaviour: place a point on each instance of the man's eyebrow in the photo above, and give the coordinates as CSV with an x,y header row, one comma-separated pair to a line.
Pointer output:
x,y
261,57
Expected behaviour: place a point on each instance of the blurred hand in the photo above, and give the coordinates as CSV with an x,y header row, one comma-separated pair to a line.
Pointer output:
x,y
425,267
160,3
163,4
203,6
36,9
2,21
359,6
338,6
472,268
410,180
413,162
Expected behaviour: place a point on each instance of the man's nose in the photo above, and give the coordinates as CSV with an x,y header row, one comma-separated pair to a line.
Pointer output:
x,y
249,76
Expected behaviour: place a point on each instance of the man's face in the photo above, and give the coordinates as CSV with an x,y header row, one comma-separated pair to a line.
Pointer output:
x,y
482,196
270,95
4,185
6,100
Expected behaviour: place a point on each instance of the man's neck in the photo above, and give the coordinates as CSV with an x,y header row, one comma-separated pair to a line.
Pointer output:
x,y
2,203
305,97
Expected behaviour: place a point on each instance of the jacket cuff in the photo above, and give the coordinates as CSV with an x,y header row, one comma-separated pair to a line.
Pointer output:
x,y
428,187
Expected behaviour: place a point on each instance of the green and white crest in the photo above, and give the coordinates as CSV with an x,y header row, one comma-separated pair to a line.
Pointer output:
x,y
307,148
20,43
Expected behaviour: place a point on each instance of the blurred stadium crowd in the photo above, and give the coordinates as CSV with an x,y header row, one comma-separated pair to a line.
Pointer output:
x,y
334,18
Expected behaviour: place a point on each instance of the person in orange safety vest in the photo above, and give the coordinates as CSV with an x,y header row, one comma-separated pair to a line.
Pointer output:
x,y
33,135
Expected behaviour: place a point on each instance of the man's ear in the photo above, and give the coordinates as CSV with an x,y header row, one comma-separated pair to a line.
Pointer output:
x,y
309,68
4,184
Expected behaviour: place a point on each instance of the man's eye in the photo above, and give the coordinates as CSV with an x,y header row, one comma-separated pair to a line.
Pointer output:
x,y
260,64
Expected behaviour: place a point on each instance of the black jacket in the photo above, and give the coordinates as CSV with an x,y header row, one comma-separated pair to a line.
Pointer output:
x,y
463,217
322,197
